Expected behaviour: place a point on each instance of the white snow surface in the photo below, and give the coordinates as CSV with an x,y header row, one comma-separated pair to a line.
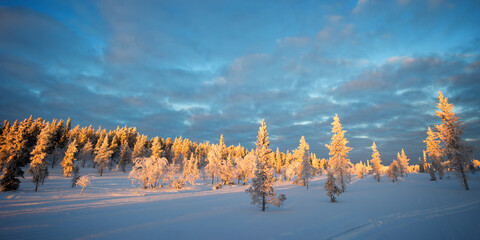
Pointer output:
x,y
113,208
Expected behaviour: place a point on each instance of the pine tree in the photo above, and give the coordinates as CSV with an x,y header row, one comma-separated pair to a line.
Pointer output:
x,y
103,155
125,156
376,163
69,159
403,163
455,149
339,162
305,171
157,150
331,187
86,152
246,166
139,149
261,190
434,152
38,167
190,170
278,160
214,162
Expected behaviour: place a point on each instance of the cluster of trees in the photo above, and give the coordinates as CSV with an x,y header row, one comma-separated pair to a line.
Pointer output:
x,y
156,162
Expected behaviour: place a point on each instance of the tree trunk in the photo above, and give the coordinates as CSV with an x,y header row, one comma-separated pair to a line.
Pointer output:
x,y
36,186
464,179
263,202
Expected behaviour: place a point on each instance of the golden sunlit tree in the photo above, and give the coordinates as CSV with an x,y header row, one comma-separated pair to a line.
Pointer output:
x,y
376,163
434,152
449,132
339,162
69,159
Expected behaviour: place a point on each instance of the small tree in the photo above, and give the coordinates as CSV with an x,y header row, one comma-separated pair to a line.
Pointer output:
x,y
339,162
376,163
393,170
305,170
148,171
331,187
403,163
86,152
214,162
69,159
125,155
103,156
190,169
83,181
434,152
246,166
38,167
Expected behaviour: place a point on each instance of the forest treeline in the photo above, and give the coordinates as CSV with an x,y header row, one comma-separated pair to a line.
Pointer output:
x,y
37,144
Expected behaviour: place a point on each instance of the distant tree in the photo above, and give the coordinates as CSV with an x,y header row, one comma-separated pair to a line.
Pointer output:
x,y
261,190
403,163
214,162
305,170
434,152
190,169
69,159
339,162
156,148
394,170
331,187
103,155
139,149
38,167
125,156
278,161
246,166
227,171
376,163
450,131
361,169
86,152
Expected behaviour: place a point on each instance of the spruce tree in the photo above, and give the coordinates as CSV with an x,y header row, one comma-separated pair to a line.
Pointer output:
x,y
393,170
69,159
339,162
305,171
125,157
103,155
376,163
450,131
261,190
156,148
86,152
434,152
331,187
38,167
403,163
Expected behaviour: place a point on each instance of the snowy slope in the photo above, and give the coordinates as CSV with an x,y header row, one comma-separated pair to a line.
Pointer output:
x,y
113,208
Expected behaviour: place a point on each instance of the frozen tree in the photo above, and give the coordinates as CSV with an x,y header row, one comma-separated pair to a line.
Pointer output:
x,y
376,163
190,169
450,131
393,170
339,162
83,181
214,162
331,187
139,150
103,155
38,167
261,190
227,171
86,152
291,170
246,166
305,170
156,148
148,171
434,152
403,163
69,159
361,169
125,155
75,176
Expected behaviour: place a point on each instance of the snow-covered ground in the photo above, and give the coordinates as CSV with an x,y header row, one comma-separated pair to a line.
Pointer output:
x,y
113,208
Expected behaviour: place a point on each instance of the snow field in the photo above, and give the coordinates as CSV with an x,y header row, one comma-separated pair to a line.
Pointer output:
x,y
113,208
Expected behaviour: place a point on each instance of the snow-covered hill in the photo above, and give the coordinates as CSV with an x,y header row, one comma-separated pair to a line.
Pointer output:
x,y
113,208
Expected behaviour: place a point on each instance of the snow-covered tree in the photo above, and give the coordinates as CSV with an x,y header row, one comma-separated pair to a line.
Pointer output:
x,y
103,155
75,176
148,171
246,166
83,181
125,156
434,152
214,162
156,148
450,131
331,187
376,163
261,190
38,167
339,161
393,170
403,163
190,169
139,150
361,169
86,152
305,170
227,171
69,159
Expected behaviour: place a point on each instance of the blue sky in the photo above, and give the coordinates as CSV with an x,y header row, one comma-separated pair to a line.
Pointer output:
x,y
199,69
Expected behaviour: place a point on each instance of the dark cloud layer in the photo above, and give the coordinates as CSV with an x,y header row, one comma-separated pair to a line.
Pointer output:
x,y
200,69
